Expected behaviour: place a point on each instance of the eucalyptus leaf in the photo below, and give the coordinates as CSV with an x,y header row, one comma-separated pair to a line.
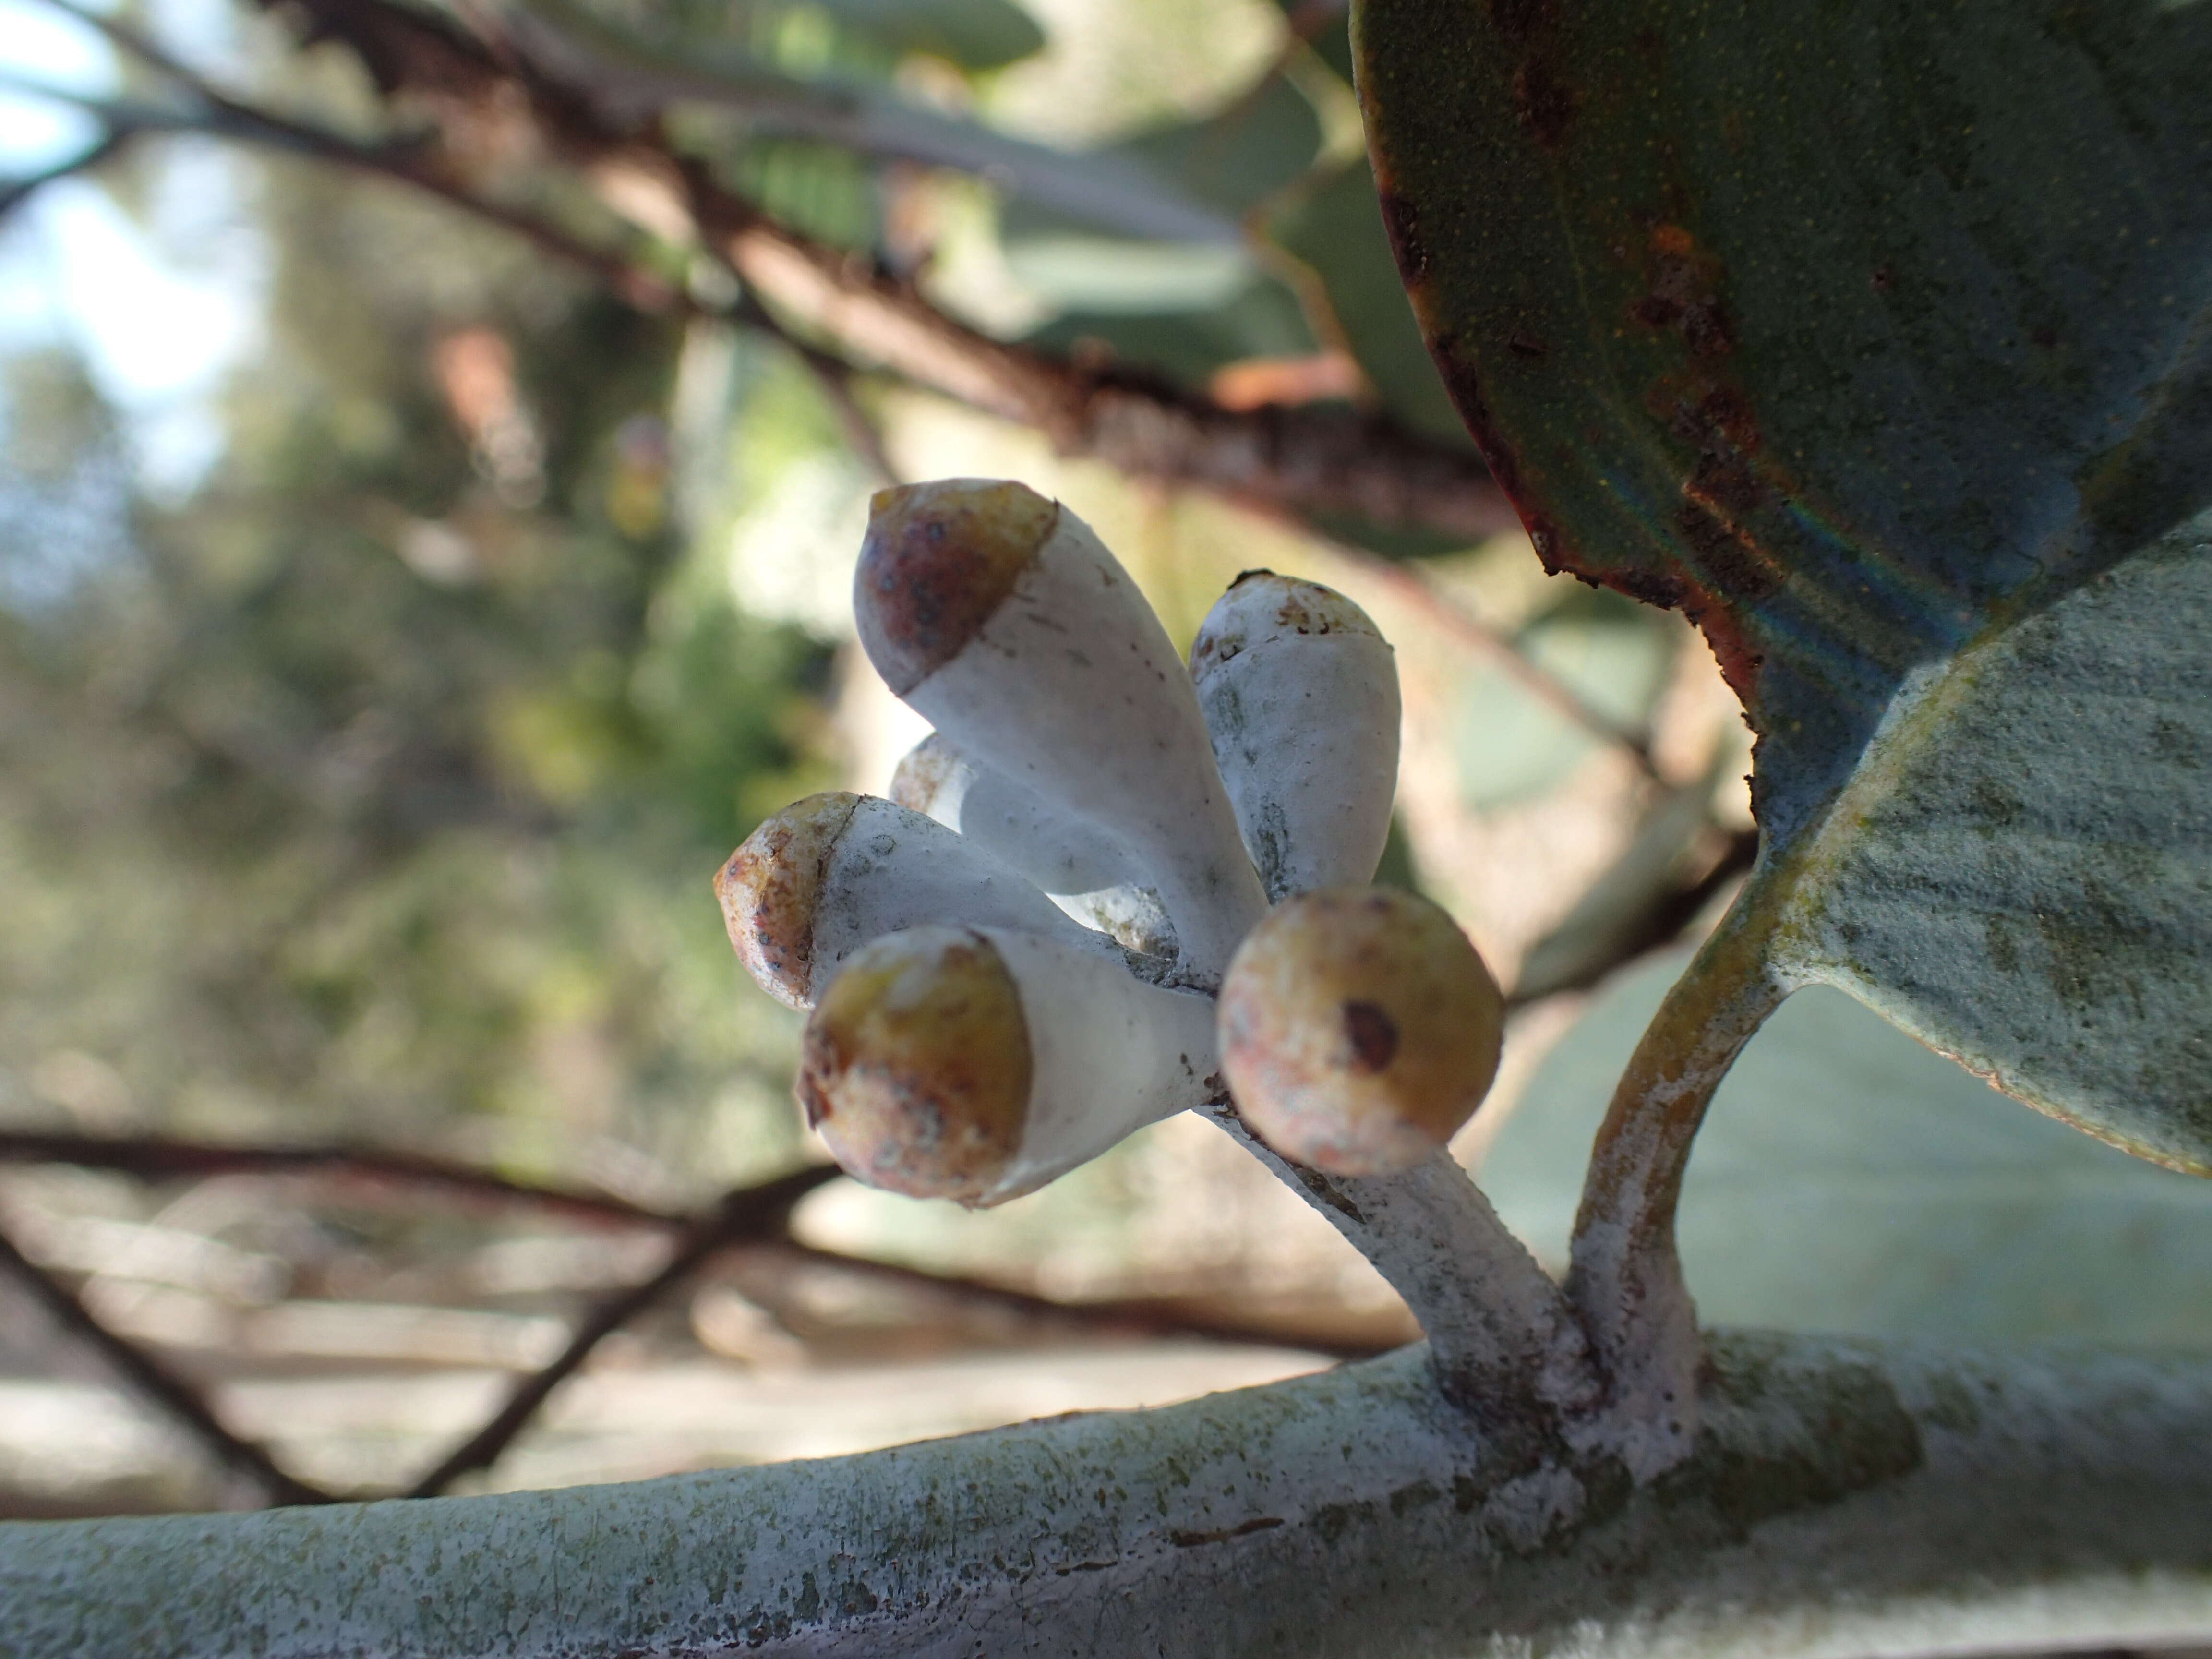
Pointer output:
x,y
1849,1180
1115,276
654,70
1325,32
1878,338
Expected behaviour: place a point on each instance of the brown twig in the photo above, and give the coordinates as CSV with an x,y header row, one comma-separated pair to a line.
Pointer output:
x,y
750,1212
167,1390
231,118
834,376
1411,584
159,1157
1661,925
1148,1315
1311,461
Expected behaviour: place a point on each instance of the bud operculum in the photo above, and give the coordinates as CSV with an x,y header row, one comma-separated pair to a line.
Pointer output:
x,y
916,1066
1044,664
770,888
1359,1029
939,560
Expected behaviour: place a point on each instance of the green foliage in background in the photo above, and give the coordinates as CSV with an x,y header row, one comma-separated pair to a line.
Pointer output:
x,y
373,789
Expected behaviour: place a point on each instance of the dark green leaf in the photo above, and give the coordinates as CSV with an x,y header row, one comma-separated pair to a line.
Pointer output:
x,y
1868,333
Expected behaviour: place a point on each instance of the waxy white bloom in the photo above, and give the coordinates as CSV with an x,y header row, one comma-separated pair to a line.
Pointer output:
x,y
971,1036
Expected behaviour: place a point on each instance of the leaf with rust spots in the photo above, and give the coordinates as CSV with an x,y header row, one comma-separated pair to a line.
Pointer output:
x,y
1878,340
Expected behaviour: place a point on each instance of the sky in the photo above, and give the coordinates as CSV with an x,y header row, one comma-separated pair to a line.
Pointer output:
x,y
160,310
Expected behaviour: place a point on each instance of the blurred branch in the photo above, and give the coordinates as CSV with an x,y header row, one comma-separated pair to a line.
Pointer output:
x,y
222,116
1413,586
1148,1315
1306,460
226,117
167,1390
623,71
157,1157
749,1213
834,376
1661,925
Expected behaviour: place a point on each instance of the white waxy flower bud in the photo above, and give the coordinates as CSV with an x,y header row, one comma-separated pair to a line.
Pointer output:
x,y
1300,691
827,874
1087,873
1060,853
1359,1029
1002,618
978,1063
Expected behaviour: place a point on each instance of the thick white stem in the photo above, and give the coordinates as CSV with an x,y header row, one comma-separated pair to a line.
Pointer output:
x,y
1503,1339
1625,1278
1844,1499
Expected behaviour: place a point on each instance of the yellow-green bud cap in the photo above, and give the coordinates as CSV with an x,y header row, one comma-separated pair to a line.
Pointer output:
x,y
916,1066
771,885
1360,1028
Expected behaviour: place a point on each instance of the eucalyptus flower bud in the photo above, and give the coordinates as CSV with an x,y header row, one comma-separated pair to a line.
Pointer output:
x,y
1300,692
1002,618
1087,873
978,1063
827,874
1358,1029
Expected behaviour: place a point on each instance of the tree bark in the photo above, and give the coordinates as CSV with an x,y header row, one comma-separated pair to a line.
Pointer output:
x,y
1843,1499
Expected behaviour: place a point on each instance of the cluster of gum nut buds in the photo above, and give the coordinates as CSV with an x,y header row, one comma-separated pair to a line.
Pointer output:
x,y
1109,887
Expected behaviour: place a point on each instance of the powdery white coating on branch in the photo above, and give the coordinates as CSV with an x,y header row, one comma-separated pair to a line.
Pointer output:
x,y
978,1063
1300,693
1085,871
1360,1028
1005,622
1846,1499
828,873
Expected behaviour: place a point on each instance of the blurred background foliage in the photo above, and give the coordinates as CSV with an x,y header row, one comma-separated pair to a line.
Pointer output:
x,y
362,781
425,550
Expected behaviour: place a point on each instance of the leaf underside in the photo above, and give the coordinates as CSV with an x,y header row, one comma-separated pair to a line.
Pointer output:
x,y
1877,337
